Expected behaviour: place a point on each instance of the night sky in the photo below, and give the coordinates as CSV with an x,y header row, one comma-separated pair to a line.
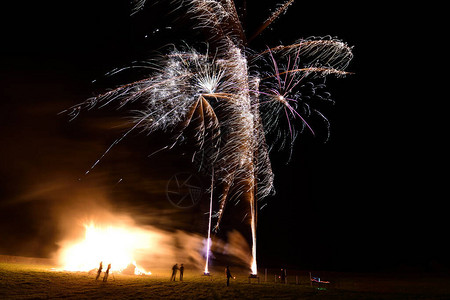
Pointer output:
x,y
365,200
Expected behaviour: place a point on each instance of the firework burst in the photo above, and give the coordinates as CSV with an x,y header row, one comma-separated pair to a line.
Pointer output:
x,y
233,97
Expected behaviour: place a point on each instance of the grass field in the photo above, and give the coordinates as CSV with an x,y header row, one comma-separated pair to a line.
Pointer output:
x,y
25,281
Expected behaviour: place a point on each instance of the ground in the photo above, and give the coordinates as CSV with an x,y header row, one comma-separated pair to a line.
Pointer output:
x,y
26,281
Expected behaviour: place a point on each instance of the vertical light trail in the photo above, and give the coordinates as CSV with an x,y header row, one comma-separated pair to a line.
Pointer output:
x,y
253,227
208,243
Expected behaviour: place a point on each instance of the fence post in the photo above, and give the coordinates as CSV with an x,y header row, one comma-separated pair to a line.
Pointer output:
x,y
296,279
265,275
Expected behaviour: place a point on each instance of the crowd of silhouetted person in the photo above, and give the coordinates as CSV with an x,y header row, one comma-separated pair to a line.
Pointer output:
x,y
175,270
99,272
282,276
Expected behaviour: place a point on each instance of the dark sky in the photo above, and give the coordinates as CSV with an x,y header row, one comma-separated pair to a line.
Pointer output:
x,y
363,200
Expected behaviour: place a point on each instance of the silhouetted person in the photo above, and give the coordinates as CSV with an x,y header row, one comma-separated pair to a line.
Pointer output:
x,y
283,276
99,270
105,278
227,271
181,272
174,272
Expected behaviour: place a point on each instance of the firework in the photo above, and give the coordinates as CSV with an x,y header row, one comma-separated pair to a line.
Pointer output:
x,y
234,97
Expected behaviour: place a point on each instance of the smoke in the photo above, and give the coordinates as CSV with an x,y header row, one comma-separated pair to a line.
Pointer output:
x,y
236,246
51,216
56,213
158,248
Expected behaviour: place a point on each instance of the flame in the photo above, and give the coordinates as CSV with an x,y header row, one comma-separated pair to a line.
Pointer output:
x,y
117,246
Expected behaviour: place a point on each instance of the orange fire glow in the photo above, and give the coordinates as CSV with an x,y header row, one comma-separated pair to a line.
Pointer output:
x,y
117,246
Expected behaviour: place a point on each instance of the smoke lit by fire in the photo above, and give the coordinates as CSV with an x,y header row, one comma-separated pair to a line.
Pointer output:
x,y
133,249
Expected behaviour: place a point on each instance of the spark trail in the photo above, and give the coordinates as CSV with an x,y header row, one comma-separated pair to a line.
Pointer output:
x,y
233,97
208,242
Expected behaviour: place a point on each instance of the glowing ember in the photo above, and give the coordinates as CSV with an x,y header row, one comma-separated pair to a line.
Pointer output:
x,y
110,245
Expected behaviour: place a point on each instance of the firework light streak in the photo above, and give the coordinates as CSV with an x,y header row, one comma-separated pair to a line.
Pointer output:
x,y
234,99
208,242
